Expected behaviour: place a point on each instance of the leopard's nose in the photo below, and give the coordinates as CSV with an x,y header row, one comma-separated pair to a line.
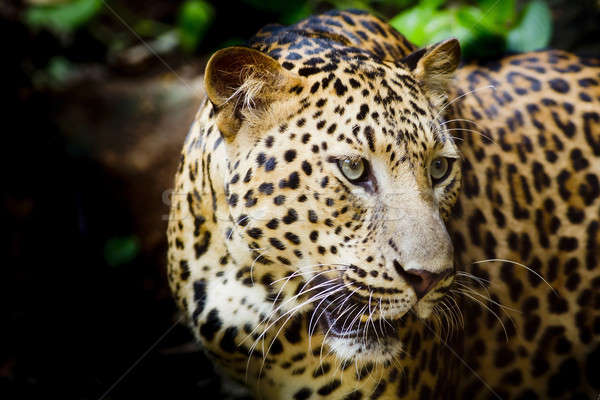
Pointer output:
x,y
420,280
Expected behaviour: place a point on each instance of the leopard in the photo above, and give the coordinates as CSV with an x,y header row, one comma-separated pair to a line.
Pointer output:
x,y
354,217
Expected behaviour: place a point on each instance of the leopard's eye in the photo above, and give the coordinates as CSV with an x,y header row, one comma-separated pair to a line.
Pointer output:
x,y
354,170
440,169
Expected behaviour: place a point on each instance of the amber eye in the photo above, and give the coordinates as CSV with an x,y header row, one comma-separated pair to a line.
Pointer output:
x,y
353,169
440,169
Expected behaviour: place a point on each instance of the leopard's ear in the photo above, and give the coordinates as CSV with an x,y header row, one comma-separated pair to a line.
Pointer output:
x,y
434,68
242,83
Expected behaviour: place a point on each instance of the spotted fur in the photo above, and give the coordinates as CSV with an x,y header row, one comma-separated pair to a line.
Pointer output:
x,y
301,284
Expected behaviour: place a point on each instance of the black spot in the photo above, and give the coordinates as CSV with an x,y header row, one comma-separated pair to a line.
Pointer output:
x,y
504,356
266,188
590,191
364,371
321,370
273,224
575,215
354,395
378,391
279,200
315,87
578,161
364,110
369,134
228,340
260,159
248,175
290,217
340,88
559,85
233,200
184,269
293,238
292,333
255,233
201,247
293,181
306,71
276,347
199,298
277,243
566,243
306,167
270,164
557,304
212,325
289,155
302,394
330,387
532,324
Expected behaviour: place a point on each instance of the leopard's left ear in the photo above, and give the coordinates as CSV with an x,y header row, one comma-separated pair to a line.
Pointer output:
x,y
434,68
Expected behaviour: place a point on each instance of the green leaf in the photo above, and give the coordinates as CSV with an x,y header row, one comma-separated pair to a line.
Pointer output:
x,y
411,23
195,17
414,23
62,18
475,19
534,29
498,12
121,250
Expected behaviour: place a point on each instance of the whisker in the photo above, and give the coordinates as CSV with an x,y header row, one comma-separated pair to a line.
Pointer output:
x,y
489,309
461,96
472,131
520,265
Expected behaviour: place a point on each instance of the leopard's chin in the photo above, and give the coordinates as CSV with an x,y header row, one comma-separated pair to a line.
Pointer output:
x,y
355,349
362,341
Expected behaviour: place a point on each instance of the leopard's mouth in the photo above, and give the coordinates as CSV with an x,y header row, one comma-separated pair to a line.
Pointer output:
x,y
365,329
348,316
353,334
360,326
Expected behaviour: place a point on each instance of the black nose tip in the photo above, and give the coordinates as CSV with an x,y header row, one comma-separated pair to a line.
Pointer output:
x,y
420,280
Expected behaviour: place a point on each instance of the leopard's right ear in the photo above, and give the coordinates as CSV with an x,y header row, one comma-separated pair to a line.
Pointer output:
x,y
242,83
434,68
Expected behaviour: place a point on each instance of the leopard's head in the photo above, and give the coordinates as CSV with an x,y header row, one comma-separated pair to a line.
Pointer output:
x,y
338,184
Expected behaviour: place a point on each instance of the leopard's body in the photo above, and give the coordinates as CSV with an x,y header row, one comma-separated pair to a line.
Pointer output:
x,y
300,283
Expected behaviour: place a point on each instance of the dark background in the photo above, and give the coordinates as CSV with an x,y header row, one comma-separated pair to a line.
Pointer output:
x,y
87,156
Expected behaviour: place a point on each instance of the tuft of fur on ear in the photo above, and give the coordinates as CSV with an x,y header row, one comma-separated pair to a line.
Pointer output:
x,y
242,83
434,68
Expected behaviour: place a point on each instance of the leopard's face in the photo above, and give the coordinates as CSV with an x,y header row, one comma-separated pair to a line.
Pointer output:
x,y
339,195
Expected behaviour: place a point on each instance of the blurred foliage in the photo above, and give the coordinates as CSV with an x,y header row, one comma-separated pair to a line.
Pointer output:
x,y
533,31
485,28
121,250
62,17
195,18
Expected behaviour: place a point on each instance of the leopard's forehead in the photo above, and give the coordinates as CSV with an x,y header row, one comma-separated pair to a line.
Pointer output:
x,y
356,91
